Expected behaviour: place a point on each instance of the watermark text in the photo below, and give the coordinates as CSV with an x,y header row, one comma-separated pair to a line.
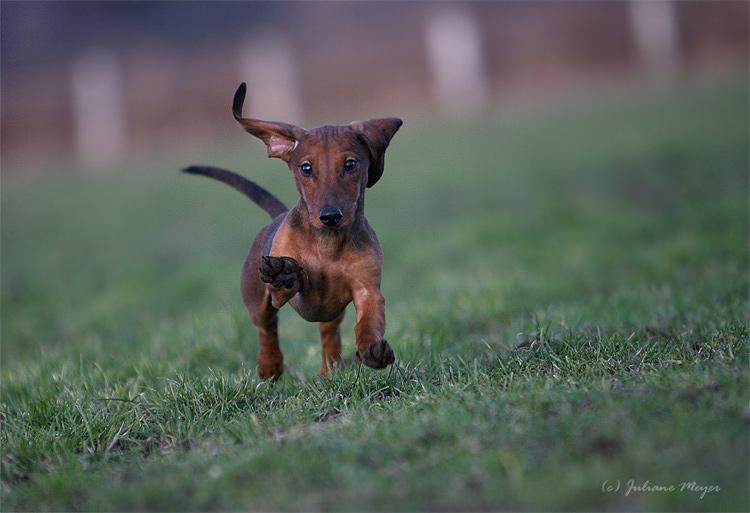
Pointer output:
x,y
632,487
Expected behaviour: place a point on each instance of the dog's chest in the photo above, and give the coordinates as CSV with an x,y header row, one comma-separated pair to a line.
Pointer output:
x,y
325,291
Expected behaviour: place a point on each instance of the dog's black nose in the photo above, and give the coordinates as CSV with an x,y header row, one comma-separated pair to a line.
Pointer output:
x,y
330,216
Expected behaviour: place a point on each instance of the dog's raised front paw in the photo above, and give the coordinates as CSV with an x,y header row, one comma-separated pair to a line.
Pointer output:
x,y
279,272
378,355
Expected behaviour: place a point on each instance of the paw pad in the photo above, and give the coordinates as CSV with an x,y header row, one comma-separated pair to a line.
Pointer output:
x,y
279,272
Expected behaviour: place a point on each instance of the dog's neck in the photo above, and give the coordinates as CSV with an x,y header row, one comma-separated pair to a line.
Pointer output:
x,y
330,243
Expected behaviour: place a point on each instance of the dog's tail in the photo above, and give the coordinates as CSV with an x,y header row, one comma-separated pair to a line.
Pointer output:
x,y
252,190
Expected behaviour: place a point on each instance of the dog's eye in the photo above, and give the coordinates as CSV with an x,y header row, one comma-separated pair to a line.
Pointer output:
x,y
350,165
306,169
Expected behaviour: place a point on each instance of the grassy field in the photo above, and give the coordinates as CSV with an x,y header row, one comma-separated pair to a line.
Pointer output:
x,y
567,296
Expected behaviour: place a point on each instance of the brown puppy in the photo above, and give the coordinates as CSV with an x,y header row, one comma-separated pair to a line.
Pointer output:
x,y
322,254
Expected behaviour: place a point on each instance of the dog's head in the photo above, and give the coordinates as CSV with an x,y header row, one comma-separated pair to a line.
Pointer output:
x,y
331,165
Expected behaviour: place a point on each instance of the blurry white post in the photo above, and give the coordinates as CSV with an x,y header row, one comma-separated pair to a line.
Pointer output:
x,y
267,65
654,26
96,85
454,50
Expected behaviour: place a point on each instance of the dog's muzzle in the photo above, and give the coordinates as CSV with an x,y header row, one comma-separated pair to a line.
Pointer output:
x,y
330,216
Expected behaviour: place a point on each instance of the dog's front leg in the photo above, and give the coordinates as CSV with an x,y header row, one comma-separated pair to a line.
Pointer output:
x,y
369,329
284,276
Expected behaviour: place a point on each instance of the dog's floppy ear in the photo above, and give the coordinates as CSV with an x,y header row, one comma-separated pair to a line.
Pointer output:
x,y
280,138
376,134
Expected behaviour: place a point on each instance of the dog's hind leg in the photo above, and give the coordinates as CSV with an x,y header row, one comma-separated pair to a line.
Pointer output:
x,y
330,338
270,359
264,316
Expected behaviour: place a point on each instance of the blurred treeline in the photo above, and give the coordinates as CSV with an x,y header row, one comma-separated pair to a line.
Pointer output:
x,y
95,81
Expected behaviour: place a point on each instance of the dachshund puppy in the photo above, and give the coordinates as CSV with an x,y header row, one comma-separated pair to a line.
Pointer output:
x,y
321,254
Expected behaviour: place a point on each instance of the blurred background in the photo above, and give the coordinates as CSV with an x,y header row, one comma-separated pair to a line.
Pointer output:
x,y
94,82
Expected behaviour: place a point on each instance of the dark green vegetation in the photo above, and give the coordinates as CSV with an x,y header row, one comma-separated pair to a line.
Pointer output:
x,y
566,291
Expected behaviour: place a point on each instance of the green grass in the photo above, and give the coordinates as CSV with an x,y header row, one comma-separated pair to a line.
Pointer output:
x,y
567,295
